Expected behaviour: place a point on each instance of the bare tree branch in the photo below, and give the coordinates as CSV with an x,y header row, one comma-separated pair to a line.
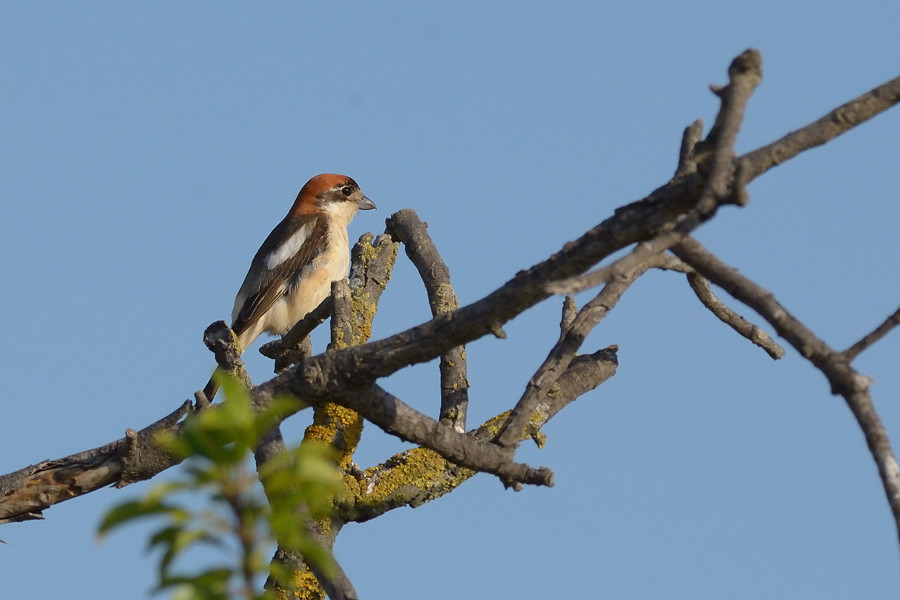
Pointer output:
x,y
584,373
563,353
25,493
397,418
836,367
744,74
224,345
420,475
840,120
406,227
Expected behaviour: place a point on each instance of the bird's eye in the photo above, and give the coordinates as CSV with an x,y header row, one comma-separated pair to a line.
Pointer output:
x,y
346,190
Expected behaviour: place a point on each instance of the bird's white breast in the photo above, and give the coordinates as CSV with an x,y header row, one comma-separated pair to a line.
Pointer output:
x,y
306,290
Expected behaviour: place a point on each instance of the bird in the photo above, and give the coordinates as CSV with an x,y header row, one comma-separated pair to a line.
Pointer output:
x,y
292,271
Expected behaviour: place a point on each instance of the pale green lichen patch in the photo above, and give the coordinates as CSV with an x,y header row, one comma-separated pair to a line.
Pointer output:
x,y
444,299
412,477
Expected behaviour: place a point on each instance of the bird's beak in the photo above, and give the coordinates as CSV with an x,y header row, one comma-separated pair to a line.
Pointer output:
x,y
365,204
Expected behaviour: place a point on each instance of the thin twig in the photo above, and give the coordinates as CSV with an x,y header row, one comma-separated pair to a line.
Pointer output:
x,y
741,325
295,345
844,379
564,352
879,332
720,310
687,164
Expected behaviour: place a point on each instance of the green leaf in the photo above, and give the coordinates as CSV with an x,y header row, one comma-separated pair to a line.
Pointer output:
x,y
216,444
136,509
211,584
175,540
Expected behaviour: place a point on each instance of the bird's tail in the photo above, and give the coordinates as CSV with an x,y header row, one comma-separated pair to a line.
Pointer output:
x,y
212,386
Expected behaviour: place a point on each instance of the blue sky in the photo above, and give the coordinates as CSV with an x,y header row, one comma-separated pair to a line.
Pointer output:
x,y
147,149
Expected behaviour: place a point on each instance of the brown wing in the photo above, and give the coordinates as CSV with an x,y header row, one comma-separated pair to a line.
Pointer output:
x,y
269,285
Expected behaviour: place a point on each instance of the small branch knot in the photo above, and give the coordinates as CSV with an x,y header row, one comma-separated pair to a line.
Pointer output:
x,y
747,62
